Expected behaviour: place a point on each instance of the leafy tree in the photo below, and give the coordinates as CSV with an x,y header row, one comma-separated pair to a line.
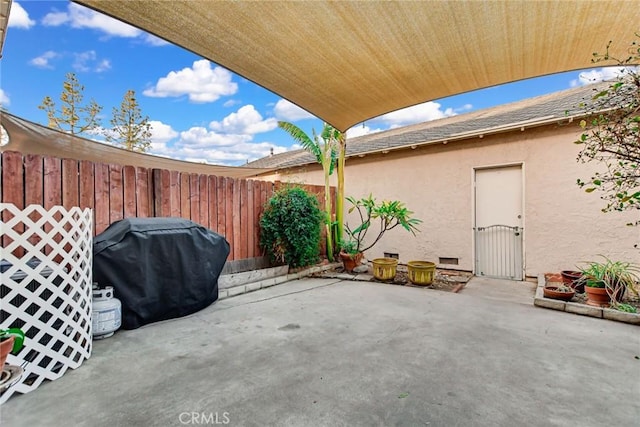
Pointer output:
x,y
129,128
325,148
611,134
73,117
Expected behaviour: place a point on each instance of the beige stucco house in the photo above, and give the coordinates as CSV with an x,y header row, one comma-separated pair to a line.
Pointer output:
x,y
512,166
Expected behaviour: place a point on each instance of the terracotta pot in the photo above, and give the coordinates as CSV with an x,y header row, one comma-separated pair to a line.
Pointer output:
x,y
597,297
350,261
573,279
568,276
552,292
5,348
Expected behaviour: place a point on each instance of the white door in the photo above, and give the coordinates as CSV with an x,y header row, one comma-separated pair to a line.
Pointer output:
x,y
498,222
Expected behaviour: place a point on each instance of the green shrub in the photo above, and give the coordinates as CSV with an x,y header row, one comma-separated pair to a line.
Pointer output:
x,y
290,226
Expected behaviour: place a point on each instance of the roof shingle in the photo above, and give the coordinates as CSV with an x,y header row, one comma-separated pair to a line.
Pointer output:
x,y
555,106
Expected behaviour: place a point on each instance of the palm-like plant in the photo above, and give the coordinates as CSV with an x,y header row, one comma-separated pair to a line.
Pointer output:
x,y
325,148
342,150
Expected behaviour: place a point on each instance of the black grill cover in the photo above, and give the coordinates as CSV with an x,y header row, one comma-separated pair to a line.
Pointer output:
x,y
160,268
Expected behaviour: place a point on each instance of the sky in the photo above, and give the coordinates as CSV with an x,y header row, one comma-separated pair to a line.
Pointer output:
x,y
199,111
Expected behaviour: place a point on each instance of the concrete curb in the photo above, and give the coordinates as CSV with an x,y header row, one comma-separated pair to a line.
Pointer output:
x,y
585,310
267,283
366,277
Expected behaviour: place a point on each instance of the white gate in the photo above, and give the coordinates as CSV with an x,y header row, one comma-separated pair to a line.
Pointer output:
x,y
498,223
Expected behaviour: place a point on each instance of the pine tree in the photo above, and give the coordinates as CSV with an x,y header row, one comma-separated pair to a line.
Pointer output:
x,y
73,117
129,128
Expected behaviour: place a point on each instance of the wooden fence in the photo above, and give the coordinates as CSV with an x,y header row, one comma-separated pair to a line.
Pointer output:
x,y
231,207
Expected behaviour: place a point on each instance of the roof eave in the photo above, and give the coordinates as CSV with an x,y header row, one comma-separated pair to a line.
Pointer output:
x,y
481,133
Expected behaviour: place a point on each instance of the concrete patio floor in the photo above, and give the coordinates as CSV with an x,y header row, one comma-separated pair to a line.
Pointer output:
x,y
320,352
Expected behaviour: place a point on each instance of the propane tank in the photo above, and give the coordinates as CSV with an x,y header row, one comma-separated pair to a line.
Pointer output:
x,y
107,312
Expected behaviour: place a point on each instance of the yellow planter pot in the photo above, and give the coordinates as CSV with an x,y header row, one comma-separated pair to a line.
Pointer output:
x,y
421,272
384,268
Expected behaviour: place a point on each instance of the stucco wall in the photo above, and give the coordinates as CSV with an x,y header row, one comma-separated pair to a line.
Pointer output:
x,y
563,224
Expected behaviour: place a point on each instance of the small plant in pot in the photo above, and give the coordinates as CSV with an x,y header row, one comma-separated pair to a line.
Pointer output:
x,y
11,341
559,291
387,214
574,279
607,282
349,254
595,285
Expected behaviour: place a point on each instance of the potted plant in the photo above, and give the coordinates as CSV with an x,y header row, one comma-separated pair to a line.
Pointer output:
x,y
574,279
561,291
349,254
11,341
622,277
595,285
389,215
608,281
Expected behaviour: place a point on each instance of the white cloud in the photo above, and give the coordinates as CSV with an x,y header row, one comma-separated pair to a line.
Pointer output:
x,y
597,75
359,130
201,83
43,61
55,19
103,65
232,103
199,145
247,120
201,136
89,61
155,41
161,132
228,142
465,107
81,17
97,134
287,111
424,112
19,18
4,136
420,113
4,98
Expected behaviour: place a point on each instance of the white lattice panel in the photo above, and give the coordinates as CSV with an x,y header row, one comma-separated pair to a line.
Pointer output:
x,y
46,289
